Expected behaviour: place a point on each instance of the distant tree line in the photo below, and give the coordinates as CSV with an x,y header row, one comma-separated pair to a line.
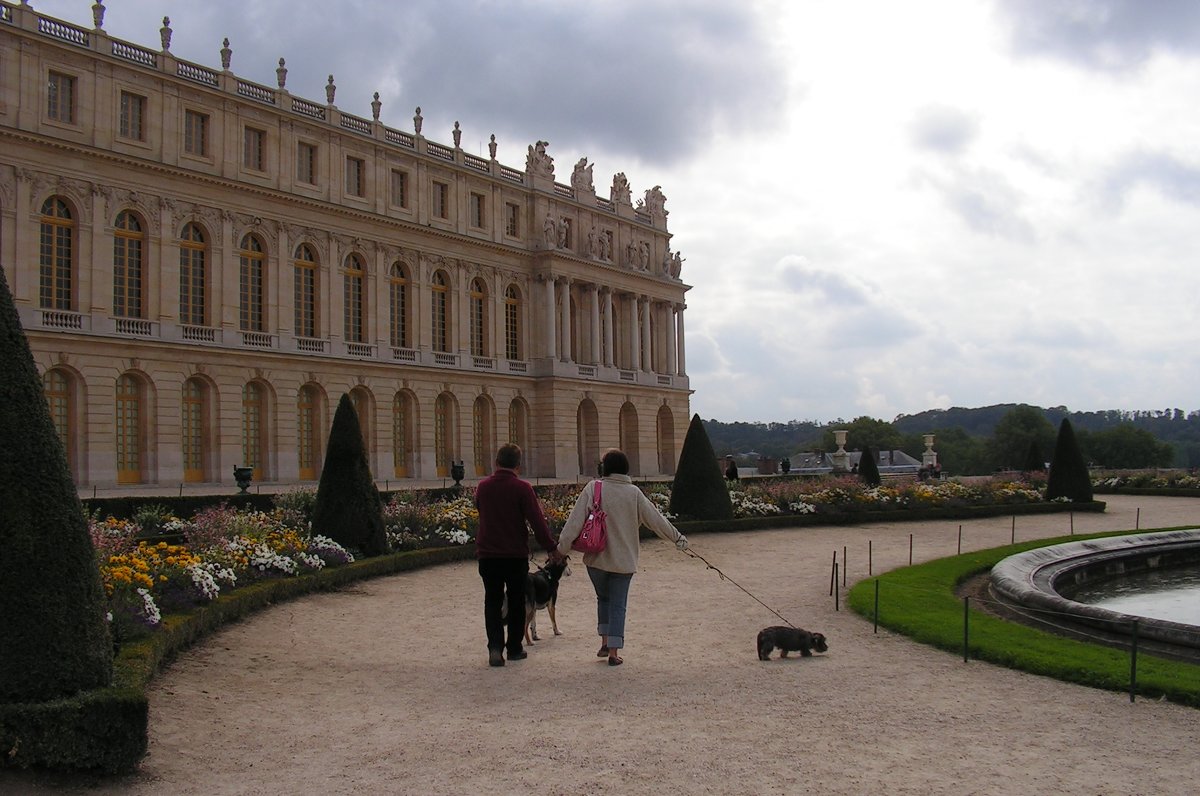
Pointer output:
x,y
983,440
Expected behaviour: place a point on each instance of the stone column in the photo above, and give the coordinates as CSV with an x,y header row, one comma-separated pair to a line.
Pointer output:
x,y
634,333
551,325
564,300
647,345
679,308
670,331
608,328
594,313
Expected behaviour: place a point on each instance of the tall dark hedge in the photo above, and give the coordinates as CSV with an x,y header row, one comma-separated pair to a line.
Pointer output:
x,y
868,470
1069,475
349,510
699,490
54,638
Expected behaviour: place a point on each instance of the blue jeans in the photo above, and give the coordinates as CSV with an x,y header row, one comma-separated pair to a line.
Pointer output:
x,y
612,595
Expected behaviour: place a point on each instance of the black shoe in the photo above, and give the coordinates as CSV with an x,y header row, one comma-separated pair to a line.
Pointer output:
x,y
519,655
495,658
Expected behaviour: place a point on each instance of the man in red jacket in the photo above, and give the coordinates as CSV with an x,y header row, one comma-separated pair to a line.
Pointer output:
x,y
507,508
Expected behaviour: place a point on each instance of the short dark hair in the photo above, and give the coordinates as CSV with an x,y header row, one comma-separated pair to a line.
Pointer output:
x,y
509,456
615,462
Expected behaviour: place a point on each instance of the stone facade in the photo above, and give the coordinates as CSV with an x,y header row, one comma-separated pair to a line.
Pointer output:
x,y
204,265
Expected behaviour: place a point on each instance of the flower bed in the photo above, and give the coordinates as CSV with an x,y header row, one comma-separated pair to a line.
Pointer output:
x,y
1171,483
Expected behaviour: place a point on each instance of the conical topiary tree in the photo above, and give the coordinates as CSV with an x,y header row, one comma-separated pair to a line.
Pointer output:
x,y
868,470
348,509
1034,463
1069,475
54,638
699,490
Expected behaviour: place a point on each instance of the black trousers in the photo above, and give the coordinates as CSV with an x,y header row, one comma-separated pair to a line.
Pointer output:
x,y
501,577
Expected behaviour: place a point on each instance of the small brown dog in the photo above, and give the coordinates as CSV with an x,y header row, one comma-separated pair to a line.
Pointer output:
x,y
789,639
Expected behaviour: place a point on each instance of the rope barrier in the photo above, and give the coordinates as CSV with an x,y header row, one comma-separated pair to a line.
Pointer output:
x,y
723,576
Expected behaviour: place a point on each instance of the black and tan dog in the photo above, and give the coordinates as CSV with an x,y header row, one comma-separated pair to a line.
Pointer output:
x,y
541,591
789,639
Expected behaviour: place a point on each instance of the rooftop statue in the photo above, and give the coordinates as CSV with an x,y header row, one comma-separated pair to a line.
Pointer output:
x,y
581,177
620,189
538,162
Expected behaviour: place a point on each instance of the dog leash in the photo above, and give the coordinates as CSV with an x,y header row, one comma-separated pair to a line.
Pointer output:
x,y
723,576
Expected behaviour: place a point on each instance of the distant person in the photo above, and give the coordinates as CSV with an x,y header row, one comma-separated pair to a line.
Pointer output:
x,y
507,509
611,570
731,470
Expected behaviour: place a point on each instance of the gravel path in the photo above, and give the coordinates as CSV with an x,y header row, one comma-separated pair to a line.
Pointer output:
x,y
384,688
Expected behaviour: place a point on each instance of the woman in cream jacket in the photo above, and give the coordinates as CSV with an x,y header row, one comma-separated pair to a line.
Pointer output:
x,y
611,570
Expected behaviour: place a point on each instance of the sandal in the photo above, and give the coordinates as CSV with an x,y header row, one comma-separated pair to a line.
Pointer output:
x,y
602,652
613,660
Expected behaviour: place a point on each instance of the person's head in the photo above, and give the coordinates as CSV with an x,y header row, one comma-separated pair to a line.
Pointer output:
x,y
509,456
614,462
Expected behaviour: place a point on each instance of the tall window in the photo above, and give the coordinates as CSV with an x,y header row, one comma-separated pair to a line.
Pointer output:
x,y
440,315
512,220
254,428
306,163
195,133
443,434
517,424
482,426
192,276
399,188
129,241
60,98
353,299
478,211
192,422
56,256
479,336
254,146
512,323
129,430
251,264
402,434
58,397
441,200
355,182
306,291
133,116
398,292
306,428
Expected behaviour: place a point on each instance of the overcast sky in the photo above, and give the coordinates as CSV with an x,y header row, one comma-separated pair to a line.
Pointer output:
x,y
884,207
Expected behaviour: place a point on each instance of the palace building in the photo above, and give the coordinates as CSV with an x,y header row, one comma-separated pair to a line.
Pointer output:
x,y
204,265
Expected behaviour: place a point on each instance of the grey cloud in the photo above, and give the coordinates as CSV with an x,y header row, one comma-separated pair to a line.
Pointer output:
x,y
943,129
985,201
823,287
1162,172
1111,35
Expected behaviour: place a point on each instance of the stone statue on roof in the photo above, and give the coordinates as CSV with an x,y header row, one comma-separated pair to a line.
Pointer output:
x,y
538,162
581,177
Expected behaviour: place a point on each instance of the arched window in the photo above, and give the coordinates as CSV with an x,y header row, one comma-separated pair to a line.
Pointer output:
x,y
129,245
629,440
354,304
306,431
193,430
445,426
479,319
483,425
254,429
440,311
518,425
403,423
512,323
129,419
587,423
56,256
59,398
193,260
398,295
252,267
305,291
666,441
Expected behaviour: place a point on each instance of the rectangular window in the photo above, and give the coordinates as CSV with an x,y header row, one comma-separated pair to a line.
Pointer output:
x,y
354,177
60,98
306,163
195,133
512,220
399,188
478,210
133,115
254,144
441,197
